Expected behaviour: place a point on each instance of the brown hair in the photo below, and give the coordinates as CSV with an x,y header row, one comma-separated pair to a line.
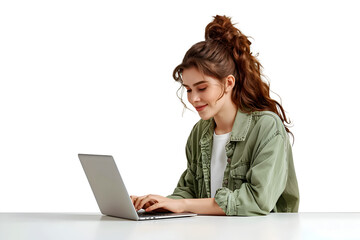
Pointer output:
x,y
226,51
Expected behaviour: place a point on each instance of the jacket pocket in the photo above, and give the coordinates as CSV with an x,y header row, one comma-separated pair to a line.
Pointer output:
x,y
240,171
238,175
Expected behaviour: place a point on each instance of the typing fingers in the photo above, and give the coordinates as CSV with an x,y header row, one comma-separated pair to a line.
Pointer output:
x,y
133,199
145,201
139,203
136,202
157,206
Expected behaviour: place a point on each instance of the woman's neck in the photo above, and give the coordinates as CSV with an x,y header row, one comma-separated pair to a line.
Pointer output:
x,y
225,119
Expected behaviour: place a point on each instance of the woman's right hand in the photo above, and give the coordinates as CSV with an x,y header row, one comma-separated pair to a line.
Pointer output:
x,y
135,199
157,203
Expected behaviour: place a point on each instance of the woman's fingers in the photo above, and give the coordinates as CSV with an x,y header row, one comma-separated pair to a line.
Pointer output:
x,y
157,203
148,204
147,200
133,198
136,201
139,202
154,207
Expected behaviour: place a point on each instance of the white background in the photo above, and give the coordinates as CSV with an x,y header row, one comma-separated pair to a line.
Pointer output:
x,y
96,77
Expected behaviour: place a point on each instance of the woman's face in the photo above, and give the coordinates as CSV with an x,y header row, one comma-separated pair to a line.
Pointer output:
x,y
203,92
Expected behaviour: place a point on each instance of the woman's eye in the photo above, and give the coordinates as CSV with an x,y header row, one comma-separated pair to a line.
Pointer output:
x,y
200,89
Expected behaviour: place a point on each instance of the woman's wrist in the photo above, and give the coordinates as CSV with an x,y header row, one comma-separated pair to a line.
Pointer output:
x,y
184,205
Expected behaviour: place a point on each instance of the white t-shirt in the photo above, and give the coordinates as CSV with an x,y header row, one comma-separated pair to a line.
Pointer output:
x,y
218,161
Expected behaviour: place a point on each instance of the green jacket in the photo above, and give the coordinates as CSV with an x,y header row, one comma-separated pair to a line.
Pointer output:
x,y
259,177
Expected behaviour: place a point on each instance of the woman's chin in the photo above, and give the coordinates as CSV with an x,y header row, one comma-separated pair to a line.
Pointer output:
x,y
205,116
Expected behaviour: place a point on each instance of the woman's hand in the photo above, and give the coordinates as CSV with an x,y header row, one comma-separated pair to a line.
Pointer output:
x,y
157,203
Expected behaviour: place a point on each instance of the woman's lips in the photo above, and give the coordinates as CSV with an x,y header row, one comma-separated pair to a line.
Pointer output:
x,y
200,108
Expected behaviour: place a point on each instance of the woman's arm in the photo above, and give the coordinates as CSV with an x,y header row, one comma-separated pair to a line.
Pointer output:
x,y
156,202
203,206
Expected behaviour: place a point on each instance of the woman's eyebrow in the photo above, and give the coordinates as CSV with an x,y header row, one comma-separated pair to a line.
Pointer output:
x,y
195,84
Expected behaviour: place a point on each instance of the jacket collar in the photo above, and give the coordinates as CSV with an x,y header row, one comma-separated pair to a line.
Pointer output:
x,y
241,126
239,131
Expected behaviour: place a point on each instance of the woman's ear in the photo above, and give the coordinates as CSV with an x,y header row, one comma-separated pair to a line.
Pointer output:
x,y
229,83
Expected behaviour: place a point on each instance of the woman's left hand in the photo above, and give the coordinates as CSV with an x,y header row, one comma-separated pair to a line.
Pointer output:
x,y
158,203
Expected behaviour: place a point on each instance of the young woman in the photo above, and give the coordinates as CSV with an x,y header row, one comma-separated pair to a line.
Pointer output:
x,y
239,157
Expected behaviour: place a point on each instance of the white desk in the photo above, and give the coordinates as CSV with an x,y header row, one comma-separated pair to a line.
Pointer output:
x,y
66,226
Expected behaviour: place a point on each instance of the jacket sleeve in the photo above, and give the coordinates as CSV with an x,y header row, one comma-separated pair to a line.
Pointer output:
x,y
185,186
265,181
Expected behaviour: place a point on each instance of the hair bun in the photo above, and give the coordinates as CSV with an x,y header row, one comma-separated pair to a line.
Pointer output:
x,y
221,29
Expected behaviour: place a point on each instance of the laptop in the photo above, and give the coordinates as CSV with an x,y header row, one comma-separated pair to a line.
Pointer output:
x,y
110,191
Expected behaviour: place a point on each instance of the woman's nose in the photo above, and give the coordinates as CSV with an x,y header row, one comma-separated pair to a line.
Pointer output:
x,y
194,98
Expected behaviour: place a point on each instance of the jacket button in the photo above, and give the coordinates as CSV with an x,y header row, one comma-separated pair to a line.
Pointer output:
x,y
229,160
226,181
